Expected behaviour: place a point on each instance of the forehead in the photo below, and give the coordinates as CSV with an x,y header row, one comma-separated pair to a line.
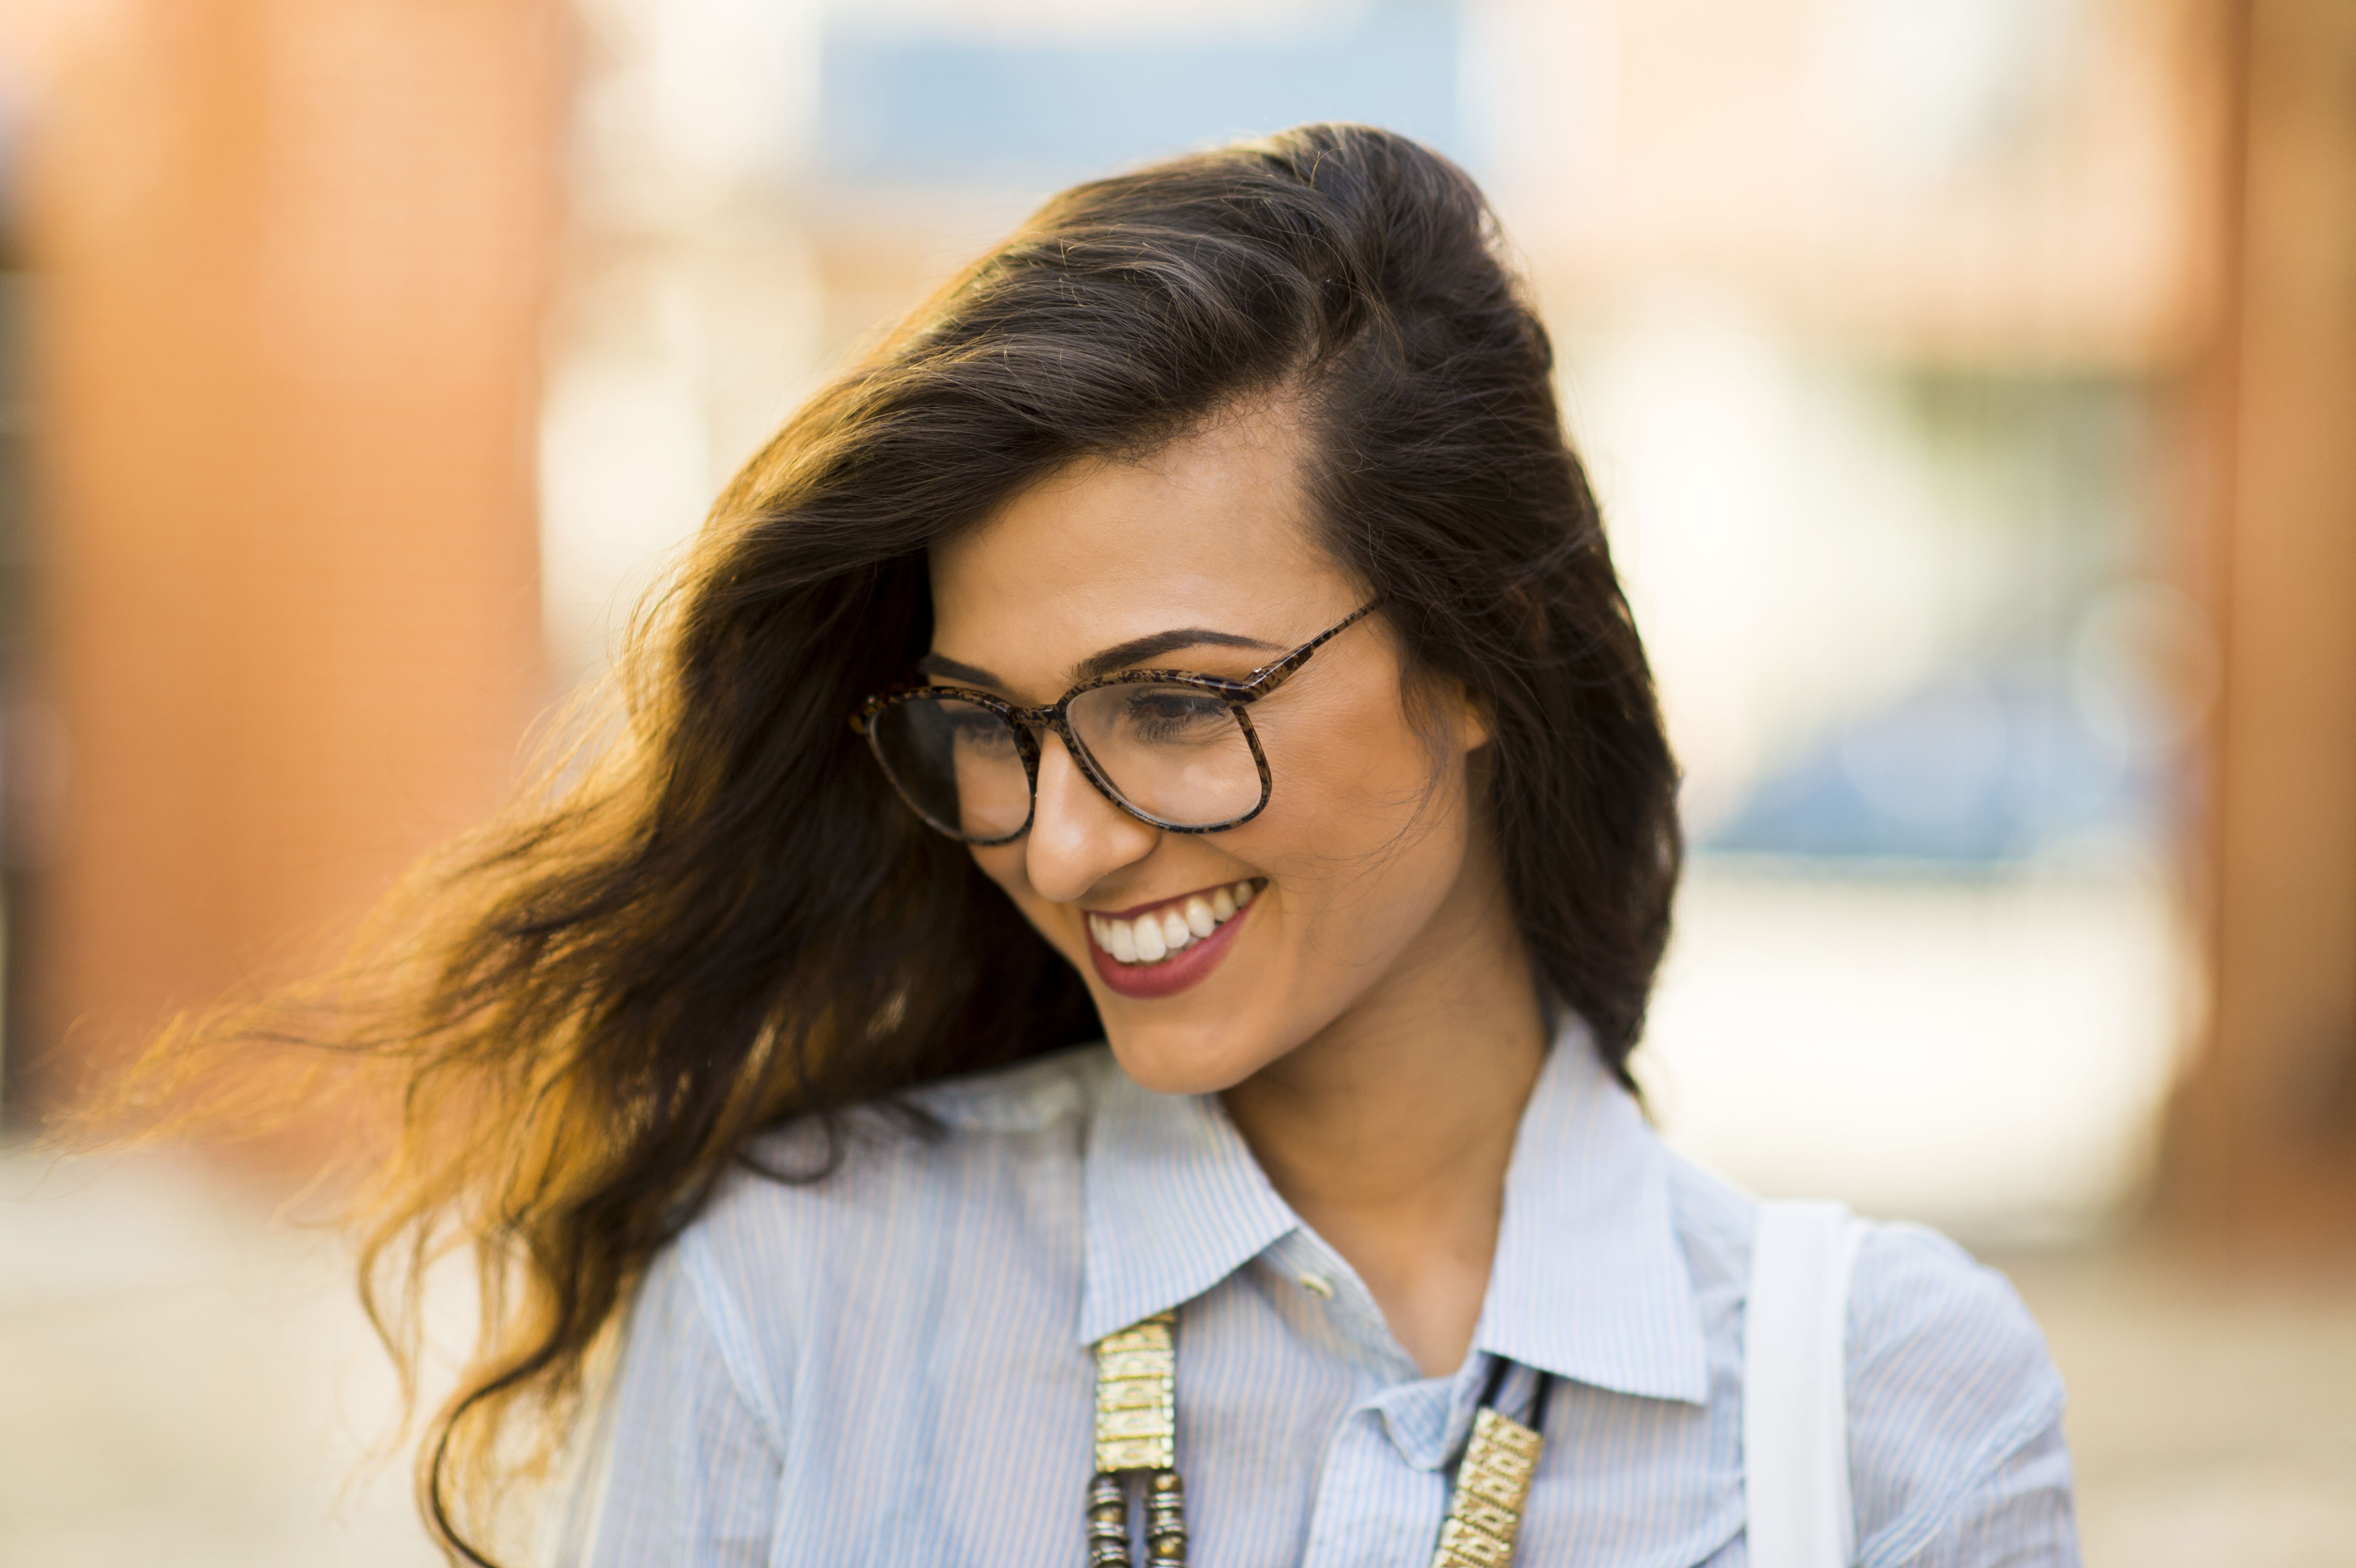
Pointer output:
x,y
1212,530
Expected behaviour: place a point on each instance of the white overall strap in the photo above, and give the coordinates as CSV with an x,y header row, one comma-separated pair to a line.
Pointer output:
x,y
1795,1388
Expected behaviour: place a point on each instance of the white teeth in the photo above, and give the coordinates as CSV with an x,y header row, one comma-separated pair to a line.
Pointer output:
x,y
1151,948
1153,936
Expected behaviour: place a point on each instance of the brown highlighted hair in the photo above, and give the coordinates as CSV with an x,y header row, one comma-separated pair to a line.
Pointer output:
x,y
729,920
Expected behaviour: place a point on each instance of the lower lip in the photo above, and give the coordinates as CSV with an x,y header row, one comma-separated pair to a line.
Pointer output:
x,y
1188,966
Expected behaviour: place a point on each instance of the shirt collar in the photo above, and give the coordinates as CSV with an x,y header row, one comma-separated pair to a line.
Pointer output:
x,y
1589,1281
1175,1203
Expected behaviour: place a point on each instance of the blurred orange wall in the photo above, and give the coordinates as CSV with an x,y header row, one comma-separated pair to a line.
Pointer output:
x,y
291,258
2263,1150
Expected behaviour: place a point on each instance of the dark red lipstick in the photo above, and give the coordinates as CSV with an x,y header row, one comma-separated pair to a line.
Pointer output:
x,y
1187,967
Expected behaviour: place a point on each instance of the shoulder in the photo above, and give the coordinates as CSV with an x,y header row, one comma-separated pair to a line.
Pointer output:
x,y
799,1184
1949,1379
825,1227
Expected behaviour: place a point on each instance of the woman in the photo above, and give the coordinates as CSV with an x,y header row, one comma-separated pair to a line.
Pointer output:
x,y
1190,630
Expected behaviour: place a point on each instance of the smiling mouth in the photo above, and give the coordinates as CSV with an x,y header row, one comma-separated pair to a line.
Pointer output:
x,y
1158,934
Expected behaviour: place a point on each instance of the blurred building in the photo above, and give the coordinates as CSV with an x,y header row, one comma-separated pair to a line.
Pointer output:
x,y
1939,363
1967,383
1888,331
289,267
2262,1153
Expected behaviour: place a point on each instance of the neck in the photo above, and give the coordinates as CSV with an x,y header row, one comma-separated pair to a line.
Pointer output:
x,y
1391,1131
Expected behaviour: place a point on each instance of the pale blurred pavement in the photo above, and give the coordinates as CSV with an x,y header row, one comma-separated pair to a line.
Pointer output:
x,y
184,1383
2212,1419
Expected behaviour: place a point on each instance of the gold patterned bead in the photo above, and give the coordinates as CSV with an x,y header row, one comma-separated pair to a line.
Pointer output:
x,y
1492,1484
1137,1396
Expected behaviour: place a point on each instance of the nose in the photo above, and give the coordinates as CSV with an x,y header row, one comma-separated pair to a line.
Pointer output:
x,y
1077,837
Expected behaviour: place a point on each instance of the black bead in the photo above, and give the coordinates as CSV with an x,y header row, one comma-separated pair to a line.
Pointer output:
x,y
1165,1520
1108,1516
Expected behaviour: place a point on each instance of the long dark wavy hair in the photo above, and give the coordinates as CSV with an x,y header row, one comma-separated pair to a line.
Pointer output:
x,y
725,919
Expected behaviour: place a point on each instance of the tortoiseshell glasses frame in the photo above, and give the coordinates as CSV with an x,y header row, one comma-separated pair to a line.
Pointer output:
x,y
1237,696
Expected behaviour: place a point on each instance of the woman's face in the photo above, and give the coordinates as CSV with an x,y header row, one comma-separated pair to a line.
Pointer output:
x,y
1201,558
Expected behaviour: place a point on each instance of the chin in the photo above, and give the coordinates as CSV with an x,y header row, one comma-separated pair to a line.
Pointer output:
x,y
1174,1059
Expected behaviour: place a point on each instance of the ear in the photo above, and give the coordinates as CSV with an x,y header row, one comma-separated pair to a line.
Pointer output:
x,y
1471,716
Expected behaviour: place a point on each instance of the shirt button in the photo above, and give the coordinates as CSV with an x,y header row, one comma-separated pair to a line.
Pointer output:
x,y
1317,1283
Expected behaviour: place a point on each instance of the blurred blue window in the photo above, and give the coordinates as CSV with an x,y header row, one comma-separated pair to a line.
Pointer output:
x,y
915,110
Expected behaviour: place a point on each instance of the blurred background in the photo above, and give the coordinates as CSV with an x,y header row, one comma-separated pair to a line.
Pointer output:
x,y
1970,386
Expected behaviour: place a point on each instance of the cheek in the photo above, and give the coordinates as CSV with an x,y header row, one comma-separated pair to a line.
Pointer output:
x,y
1350,778
1365,830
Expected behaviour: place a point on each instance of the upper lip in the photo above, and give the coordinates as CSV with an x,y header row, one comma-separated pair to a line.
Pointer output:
x,y
1133,911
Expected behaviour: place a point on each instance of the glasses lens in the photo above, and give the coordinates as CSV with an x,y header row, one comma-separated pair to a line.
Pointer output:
x,y
957,762
1176,754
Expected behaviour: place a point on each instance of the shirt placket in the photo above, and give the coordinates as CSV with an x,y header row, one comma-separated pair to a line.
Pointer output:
x,y
1382,1486
1372,1507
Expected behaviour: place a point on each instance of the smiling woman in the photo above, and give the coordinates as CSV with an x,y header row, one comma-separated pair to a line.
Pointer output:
x,y
1090,1013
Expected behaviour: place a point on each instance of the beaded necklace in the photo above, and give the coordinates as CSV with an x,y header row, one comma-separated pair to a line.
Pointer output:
x,y
1137,1432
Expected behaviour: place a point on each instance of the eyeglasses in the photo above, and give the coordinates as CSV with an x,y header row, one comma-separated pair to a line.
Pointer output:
x,y
1176,751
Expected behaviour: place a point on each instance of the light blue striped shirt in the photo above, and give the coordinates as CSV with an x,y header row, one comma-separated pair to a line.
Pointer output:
x,y
891,1365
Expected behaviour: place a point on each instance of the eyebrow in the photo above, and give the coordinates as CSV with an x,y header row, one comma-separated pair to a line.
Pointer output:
x,y
1131,654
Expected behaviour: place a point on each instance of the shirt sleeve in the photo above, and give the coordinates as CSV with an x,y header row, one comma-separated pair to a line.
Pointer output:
x,y
1957,1458
2021,1517
690,1452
